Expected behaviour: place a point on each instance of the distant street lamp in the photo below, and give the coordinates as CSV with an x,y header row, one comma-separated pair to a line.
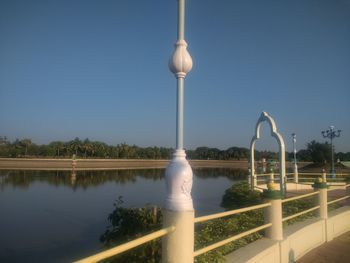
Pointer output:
x,y
294,136
331,134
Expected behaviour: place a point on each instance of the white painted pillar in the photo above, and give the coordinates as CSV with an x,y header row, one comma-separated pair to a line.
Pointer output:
x,y
253,178
249,177
178,247
322,201
296,174
255,182
273,214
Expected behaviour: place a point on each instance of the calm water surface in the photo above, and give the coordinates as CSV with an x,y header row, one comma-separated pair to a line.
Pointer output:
x,y
57,217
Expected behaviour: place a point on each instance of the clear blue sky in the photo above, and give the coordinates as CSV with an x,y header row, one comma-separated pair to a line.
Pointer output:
x,y
98,69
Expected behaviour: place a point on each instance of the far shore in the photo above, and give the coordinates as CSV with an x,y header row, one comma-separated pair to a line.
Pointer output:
x,y
113,164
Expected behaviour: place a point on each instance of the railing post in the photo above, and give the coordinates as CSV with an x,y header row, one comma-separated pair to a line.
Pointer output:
x,y
273,214
324,176
322,200
272,177
178,247
253,179
322,186
255,182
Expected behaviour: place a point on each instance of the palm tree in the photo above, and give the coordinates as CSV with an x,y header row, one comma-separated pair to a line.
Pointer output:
x,y
75,145
87,147
26,143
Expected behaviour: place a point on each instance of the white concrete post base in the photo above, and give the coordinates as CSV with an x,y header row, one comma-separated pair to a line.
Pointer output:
x,y
273,214
254,182
178,247
178,177
322,200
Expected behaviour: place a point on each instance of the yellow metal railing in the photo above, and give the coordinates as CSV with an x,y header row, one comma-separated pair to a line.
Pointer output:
x,y
229,213
299,197
165,231
127,246
338,200
233,238
300,213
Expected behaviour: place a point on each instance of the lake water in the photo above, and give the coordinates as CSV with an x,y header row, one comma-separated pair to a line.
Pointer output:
x,y
57,217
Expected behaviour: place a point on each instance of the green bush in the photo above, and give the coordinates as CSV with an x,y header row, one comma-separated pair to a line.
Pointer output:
x,y
129,223
240,195
220,229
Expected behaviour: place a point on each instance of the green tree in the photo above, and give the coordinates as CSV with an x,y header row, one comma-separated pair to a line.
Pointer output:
x,y
320,152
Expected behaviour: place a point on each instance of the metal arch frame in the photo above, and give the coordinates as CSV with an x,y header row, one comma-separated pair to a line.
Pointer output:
x,y
282,159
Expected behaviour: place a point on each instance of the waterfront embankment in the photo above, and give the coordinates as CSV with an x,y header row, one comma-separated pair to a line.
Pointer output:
x,y
110,164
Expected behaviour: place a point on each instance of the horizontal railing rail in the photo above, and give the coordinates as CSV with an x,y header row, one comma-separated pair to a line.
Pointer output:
x,y
300,213
338,200
231,239
127,246
307,174
299,197
229,213
335,188
263,174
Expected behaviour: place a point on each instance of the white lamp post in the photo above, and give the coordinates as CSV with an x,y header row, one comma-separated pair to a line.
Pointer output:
x,y
331,134
296,179
178,247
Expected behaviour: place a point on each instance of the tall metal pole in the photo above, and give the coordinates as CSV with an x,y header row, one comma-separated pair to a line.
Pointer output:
x,y
294,147
331,134
332,156
296,179
178,247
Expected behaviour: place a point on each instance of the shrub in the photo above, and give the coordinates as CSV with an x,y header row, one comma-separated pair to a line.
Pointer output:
x,y
240,195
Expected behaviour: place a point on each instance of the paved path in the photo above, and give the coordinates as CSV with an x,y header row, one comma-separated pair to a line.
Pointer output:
x,y
336,251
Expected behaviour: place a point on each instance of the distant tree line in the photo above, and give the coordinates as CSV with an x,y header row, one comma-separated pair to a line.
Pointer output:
x,y
315,151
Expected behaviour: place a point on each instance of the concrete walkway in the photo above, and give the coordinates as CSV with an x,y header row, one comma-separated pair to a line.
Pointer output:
x,y
336,251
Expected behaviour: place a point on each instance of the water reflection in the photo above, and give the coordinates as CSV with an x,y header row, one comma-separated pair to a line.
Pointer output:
x,y
85,179
58,216
76,179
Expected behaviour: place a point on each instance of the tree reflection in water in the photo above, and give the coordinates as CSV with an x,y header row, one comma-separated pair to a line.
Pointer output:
x,y
142,182
84,179
77,179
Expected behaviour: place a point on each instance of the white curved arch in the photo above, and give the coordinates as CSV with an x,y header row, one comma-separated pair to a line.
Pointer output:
x,y
274,133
